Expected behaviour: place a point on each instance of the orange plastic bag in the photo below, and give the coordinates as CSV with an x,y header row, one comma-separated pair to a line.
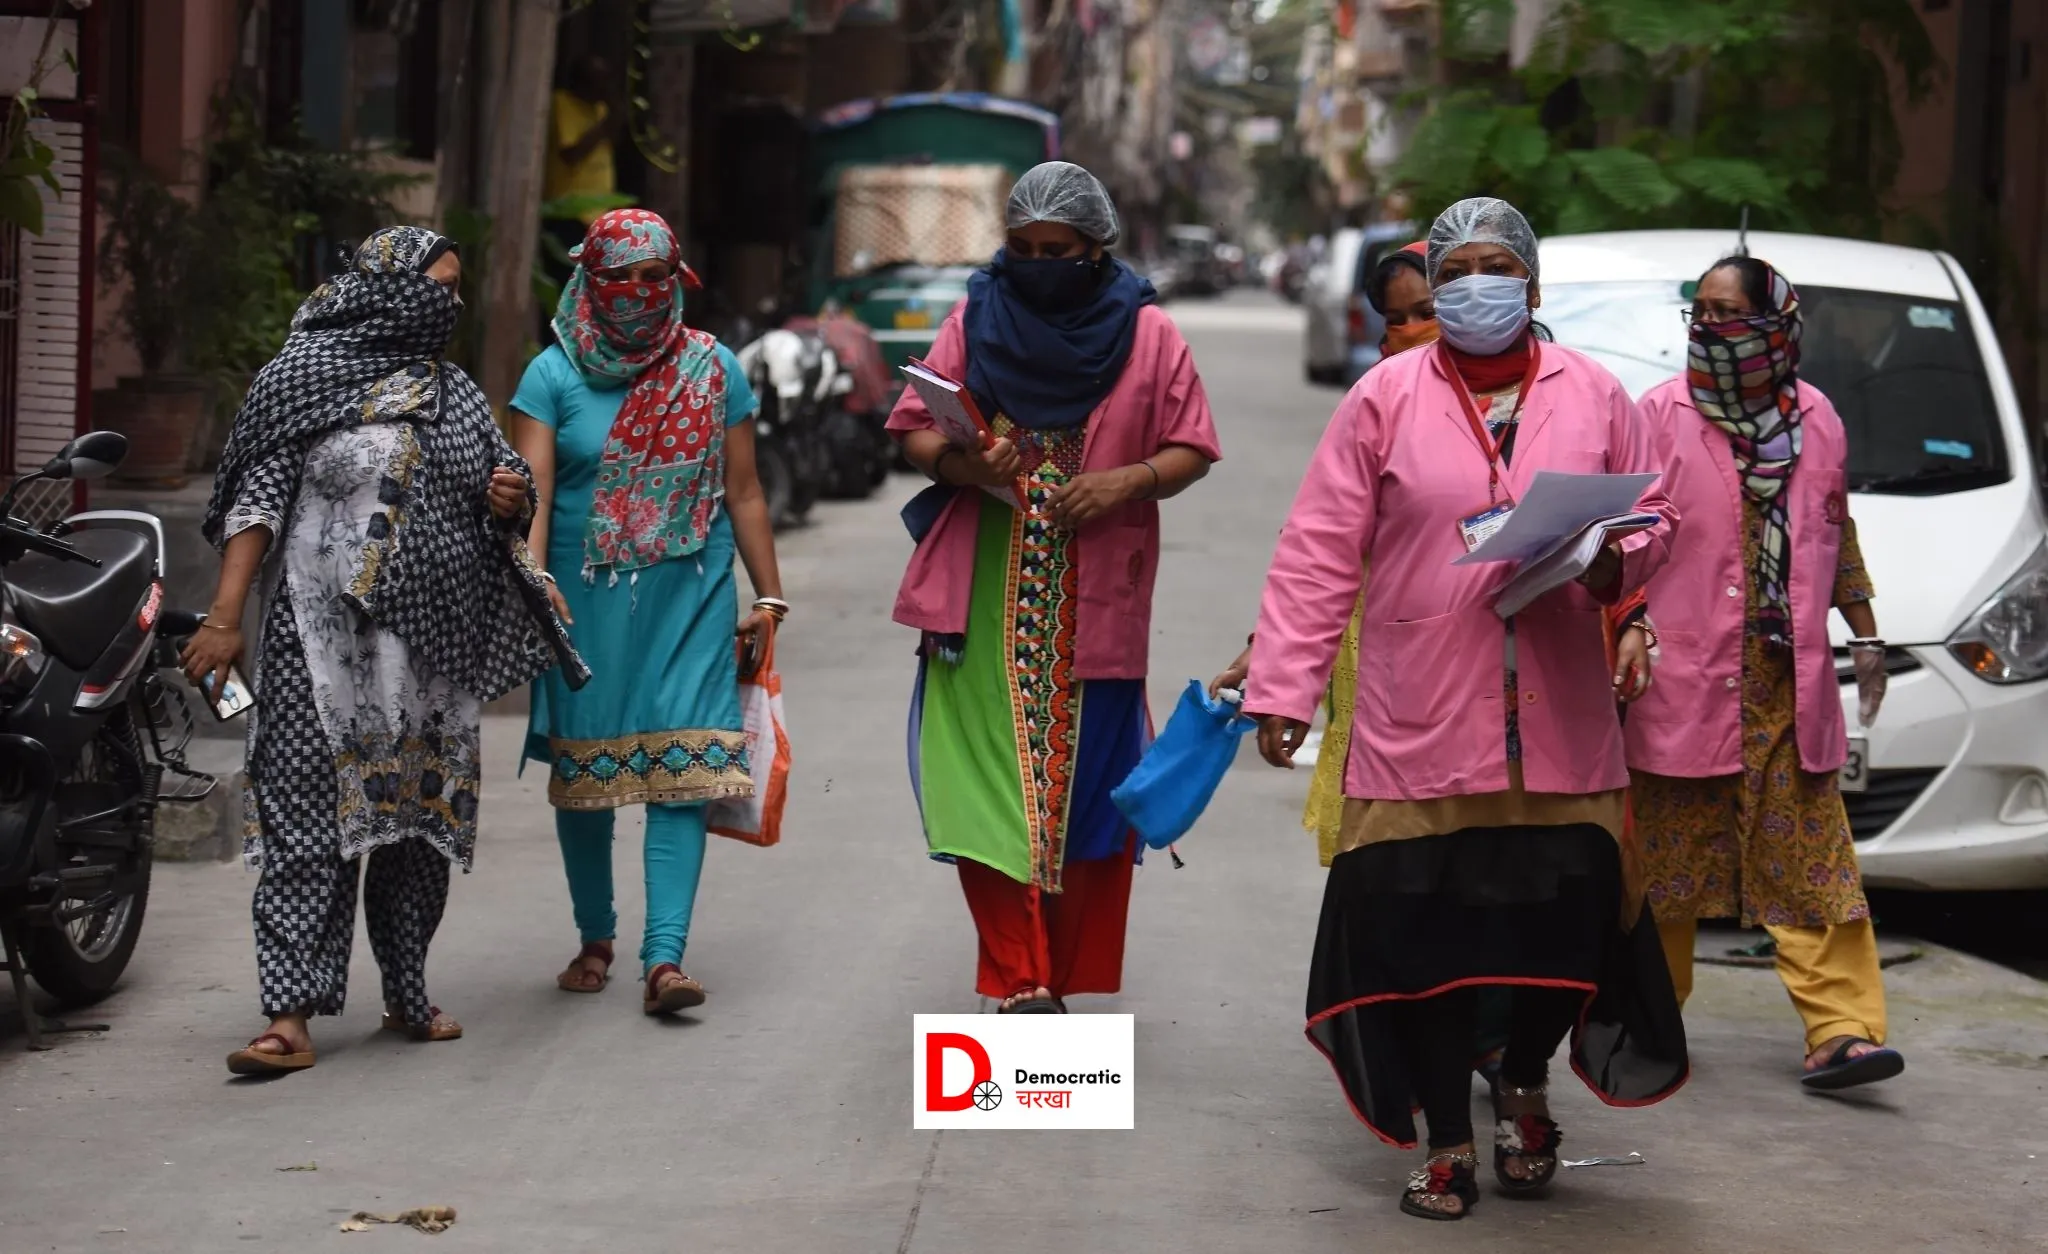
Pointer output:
x,y
757,820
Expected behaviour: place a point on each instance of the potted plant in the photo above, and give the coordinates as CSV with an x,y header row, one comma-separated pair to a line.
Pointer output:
x,y
153,246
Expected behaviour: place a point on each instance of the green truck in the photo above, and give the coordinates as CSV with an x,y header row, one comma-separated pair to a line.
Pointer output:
x,y
908,202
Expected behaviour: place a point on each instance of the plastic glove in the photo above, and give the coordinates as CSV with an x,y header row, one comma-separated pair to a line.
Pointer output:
x,y
1870,681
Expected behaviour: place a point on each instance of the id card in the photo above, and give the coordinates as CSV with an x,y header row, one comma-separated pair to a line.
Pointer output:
x,y
1479,528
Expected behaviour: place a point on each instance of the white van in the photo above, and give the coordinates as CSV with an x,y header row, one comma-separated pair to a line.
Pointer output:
x,y
1950,789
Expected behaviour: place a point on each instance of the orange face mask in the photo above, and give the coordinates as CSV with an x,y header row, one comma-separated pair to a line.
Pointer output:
x,y
1408,335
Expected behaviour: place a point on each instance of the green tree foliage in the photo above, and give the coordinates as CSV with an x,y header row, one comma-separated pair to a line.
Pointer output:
x,y
1650,113
212,282
25,160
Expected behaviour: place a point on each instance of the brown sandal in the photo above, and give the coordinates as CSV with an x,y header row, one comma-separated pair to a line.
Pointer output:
x,y
669,990
437,1028
573,978
250,1060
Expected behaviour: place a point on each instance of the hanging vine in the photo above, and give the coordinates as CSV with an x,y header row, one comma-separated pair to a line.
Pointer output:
x,y
647,137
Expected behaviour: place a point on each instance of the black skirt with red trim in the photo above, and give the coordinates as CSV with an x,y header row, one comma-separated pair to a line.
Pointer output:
x,y
1502,907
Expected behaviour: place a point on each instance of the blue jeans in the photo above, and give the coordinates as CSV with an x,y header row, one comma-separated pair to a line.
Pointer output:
x,y
673,861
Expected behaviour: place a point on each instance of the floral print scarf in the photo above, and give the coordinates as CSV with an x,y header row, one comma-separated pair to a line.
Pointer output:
x,y
662,473
1743,375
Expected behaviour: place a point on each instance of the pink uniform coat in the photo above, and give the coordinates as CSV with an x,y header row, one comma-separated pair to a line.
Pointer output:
x,y
1397,469
1156,402
1690,721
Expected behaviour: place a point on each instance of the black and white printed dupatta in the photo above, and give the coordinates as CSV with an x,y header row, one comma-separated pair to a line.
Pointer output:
x,y
441,572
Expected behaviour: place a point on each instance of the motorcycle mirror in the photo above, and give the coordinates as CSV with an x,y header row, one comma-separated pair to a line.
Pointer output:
x,y
93,455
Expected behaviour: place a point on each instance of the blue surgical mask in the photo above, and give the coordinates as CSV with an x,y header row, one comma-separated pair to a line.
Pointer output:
x,y
1483,314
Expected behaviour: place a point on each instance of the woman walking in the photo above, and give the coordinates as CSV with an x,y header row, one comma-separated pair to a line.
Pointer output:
x,y
1030,701
1736,751
1398,290
1482,837
636,427
368,481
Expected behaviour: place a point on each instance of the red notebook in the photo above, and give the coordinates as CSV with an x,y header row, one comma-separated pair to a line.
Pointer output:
x,y
956,417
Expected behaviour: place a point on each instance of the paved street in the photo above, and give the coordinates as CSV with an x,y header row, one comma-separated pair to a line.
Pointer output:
x,y
778,1118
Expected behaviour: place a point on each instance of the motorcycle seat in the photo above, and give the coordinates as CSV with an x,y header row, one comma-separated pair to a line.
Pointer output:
x,y
76,609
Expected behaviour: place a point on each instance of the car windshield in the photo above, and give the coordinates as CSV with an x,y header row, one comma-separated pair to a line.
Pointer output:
x,y
1904,373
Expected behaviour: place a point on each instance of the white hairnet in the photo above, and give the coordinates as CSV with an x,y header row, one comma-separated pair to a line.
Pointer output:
x,y
1482,220
1060,191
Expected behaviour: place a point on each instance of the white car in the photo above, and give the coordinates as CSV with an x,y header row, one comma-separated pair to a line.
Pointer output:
x,y
1341,339
1950,789
1325,299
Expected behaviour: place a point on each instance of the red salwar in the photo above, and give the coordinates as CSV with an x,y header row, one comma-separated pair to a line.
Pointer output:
x,y
1068,942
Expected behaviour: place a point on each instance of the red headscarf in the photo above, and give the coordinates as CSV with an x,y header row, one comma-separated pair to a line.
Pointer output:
x,y
662,472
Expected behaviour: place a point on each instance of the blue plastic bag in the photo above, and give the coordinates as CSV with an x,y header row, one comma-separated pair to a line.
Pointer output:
x,y
1172,783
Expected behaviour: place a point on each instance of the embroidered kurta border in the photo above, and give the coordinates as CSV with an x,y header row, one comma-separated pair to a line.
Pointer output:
x,y
1042,597
677,766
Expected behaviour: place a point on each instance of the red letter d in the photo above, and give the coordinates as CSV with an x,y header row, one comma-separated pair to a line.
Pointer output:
x,y
935,1046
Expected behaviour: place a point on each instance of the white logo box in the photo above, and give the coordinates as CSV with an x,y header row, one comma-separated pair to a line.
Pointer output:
x,y
1022,1071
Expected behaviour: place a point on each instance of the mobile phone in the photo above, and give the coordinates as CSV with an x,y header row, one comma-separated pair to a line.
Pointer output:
x,y
750,655
234,698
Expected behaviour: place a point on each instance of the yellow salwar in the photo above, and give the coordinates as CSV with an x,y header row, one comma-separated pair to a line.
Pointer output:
x,y
1325,813
1831,974
1770,845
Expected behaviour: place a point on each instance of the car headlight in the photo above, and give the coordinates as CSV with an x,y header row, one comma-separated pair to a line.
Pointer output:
x,y
21,655
2006,640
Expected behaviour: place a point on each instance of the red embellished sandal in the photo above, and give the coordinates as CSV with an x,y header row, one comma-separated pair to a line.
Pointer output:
x,y
1446,1188
438,1027
580,976
1528,1139
669,990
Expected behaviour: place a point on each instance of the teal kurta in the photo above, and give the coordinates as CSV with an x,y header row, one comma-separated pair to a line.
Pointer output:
x,y
660,719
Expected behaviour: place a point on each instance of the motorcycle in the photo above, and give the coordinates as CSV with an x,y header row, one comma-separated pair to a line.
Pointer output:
x,y
791,375
853,382
88,731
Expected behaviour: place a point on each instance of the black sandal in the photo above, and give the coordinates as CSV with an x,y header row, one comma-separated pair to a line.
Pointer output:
x,y
1026,1001
1443,1175
1532,1139
1841,1071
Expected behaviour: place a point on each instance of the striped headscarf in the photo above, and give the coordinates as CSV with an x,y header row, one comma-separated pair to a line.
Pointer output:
x,y
1744,378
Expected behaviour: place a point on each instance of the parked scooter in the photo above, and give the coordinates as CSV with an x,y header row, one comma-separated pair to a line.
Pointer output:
x,y
792,376
83,752
855,379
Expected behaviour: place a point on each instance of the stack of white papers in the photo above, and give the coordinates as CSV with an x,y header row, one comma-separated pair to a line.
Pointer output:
x,y
1557,531
1565,563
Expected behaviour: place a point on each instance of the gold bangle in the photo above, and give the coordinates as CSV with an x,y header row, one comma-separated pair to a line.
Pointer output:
x,y
219,626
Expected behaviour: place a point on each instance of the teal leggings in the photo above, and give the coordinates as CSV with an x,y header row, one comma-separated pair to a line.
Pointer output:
x,y
674,861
